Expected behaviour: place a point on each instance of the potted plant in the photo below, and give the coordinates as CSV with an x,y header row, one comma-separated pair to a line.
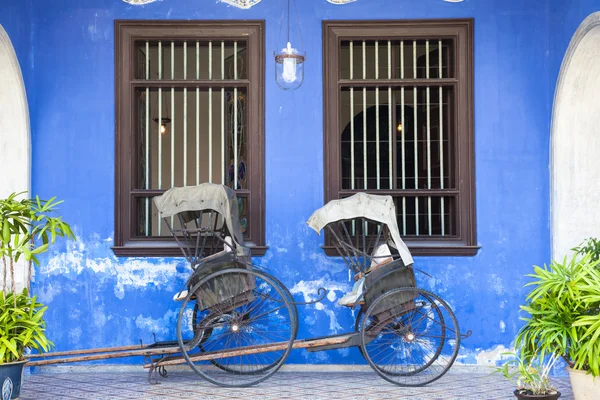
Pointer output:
x,y
564,309
27,228
530,373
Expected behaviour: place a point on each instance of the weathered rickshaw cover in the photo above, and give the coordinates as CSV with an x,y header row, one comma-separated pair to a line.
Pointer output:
x,y
374,207
190,200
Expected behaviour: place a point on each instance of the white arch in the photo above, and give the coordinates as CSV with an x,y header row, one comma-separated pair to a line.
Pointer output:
x,y
575,142
15,147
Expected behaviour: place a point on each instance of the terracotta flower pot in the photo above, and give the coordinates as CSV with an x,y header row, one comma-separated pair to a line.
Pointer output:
x,y
13,371
585,387
522,395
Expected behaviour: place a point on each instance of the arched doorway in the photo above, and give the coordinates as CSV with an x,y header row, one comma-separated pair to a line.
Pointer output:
x,y
15,154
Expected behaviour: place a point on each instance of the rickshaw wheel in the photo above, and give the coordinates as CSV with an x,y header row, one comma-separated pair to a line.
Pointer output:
x,y
241,336
208,332
410,336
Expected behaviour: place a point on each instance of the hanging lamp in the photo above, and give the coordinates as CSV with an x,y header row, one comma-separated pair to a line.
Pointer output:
x,y
289,62
165,120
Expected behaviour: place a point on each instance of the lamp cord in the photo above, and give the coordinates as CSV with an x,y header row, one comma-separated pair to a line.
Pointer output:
x,y
299,27
288,20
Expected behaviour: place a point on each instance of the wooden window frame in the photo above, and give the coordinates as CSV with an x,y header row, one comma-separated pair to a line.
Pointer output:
x,y
127,32
464,243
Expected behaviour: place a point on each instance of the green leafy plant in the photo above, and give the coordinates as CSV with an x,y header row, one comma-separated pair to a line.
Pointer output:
x,y
21,326
564,308
529,373
27,228
589,246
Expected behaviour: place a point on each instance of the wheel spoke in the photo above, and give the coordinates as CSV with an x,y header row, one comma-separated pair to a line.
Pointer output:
x,y
412,347
262,316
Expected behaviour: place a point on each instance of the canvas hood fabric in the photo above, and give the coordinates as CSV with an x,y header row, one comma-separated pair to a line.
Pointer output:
x,y
190,200
374,207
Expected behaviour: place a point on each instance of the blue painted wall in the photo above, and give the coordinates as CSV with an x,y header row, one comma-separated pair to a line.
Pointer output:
x,y
96,299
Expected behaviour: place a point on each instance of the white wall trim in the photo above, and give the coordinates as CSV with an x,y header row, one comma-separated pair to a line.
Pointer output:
x,y
575,142
15,142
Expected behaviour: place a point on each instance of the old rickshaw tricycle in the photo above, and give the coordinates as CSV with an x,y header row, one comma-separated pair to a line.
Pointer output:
x,y
237,323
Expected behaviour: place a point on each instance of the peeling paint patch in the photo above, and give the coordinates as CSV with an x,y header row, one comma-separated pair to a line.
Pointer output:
x,y
502,327
489,357
75,335
309,291
495,284
160,326
83,256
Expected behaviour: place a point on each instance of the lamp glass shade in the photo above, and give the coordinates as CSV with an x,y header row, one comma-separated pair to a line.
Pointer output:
x,y
289,68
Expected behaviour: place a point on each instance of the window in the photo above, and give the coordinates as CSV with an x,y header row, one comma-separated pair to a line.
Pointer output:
x,y
189,110
398,115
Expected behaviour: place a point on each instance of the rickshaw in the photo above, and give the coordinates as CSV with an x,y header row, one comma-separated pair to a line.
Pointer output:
x,y
238,323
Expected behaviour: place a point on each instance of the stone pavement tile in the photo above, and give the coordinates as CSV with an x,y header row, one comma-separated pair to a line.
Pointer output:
x,y
287,385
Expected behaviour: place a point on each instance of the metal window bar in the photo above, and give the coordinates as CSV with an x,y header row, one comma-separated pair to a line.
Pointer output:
x,y
197,115
223,114
415,144
185,115
403,136
160,62
441,137
390,130
147,139
173,115
210,147
428,107
172,118
377,160
352,177
364,75
235,120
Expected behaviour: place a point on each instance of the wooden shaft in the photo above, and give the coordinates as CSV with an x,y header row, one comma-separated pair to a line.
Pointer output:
x,y
298,344
84,351
117,354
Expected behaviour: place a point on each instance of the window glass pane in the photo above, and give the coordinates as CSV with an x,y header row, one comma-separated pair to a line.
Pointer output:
x,y
365,64
423,149
423,160
187,137
416,215
415,55
362,158
191,60
403,59
236,137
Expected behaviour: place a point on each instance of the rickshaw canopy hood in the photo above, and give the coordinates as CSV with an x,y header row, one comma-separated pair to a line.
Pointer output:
x,y
370,206
190,200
